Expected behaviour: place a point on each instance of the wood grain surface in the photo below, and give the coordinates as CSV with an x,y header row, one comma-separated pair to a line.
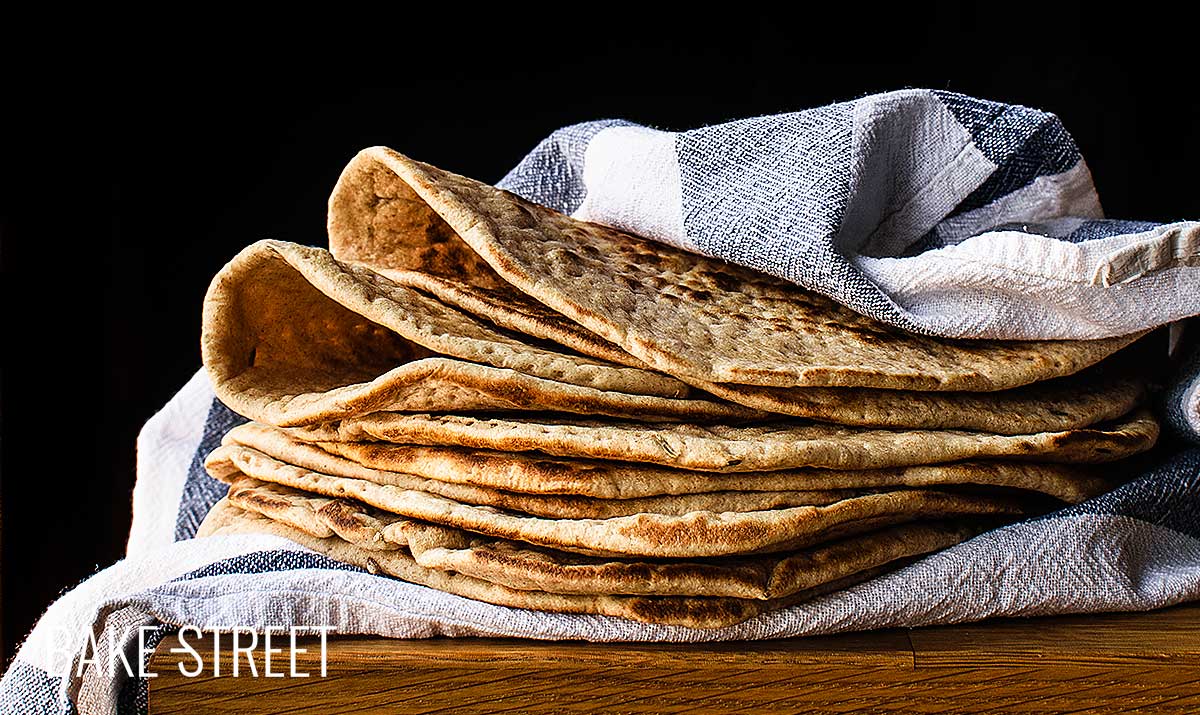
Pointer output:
x,y
1106,663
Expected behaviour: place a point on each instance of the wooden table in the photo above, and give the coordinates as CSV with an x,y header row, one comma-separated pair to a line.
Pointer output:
x,y
1118,663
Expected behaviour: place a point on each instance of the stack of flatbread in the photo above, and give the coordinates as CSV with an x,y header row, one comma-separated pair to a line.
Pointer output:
x,y
487,397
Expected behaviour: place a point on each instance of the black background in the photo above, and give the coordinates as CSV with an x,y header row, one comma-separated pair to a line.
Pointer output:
x,y
131,178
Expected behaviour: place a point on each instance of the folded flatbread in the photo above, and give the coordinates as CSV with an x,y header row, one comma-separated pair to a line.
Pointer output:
x,y
1064,403
741,448
716,532
527,567
580,488
293,337
677,312
691,612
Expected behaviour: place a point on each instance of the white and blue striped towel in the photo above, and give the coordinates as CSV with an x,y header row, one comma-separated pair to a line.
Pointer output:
x,y
929,210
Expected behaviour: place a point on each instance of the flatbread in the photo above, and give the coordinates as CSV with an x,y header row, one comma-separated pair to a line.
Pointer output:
x,y
525,567
1062,404
742,448
695,534
696,612
1092,396
571,488
241,458
678,312
293,337
504,306
290,337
